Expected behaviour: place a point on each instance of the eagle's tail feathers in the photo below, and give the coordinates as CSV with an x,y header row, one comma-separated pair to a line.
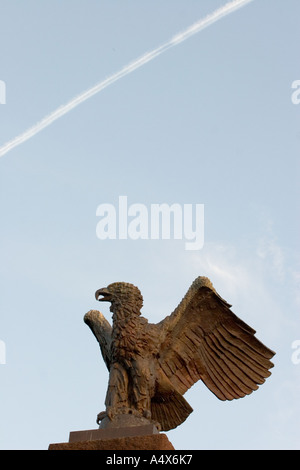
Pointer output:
x,y
170,410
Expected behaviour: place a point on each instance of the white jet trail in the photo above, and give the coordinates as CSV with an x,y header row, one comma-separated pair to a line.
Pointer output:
x,y
147,57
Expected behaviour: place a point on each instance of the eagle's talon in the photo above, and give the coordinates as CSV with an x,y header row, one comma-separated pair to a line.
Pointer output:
x,y
111,412
157,425
147,414
101,416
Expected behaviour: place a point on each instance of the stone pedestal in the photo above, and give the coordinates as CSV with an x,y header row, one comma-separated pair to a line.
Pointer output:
x,y
144,437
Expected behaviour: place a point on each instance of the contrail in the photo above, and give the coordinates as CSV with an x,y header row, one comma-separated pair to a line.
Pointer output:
x,y
131,67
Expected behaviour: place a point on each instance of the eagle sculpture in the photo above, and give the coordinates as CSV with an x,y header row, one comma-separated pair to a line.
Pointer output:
x,y
151,366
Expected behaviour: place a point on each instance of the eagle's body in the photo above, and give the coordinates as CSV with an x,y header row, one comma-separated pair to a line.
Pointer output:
x,y
151,366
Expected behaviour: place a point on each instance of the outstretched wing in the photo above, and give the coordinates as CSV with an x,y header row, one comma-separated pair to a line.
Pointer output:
x,y
102,331
204,340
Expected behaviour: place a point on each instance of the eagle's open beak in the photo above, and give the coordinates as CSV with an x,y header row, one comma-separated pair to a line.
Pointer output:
x,y
106,296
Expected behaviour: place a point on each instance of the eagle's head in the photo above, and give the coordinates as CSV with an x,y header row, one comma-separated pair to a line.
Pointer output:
x,y
121,295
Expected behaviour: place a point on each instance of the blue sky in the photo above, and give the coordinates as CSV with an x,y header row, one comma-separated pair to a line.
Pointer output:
x,y
211,121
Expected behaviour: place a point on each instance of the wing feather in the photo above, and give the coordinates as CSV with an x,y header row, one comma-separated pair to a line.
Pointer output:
x,y
204,340
102,330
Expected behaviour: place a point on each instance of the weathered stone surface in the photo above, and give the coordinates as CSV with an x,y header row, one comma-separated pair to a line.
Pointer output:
x,y
112,433
124,421
151,442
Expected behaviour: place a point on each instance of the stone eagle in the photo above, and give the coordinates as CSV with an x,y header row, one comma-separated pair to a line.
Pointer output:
x,y
151,366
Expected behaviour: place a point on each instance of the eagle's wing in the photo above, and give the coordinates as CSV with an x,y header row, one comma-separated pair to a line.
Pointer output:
x,y
205,340
102,331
